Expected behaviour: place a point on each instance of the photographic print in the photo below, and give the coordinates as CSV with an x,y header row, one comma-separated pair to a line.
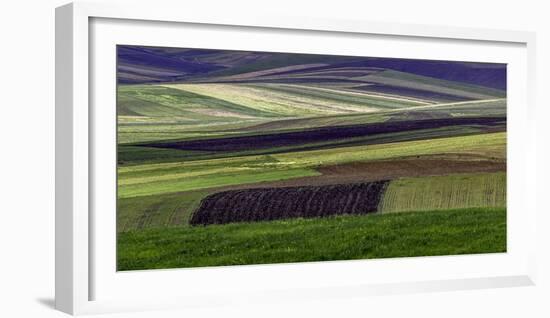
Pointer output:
x,y
242,157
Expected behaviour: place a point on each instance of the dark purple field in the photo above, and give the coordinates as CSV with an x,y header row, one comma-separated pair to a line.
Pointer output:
x,y
266,204
324,134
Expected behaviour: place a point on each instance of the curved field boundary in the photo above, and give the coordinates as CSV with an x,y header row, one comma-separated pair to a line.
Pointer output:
x,y
266,204
445,192
321,134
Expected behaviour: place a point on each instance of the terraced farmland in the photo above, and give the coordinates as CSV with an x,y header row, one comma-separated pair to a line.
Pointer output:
x,y
230,157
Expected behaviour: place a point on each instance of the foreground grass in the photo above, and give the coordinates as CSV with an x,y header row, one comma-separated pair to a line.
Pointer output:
x,y
462,231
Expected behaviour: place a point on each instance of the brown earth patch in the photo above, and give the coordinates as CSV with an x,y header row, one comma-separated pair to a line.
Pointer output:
x,y
412,167
387,170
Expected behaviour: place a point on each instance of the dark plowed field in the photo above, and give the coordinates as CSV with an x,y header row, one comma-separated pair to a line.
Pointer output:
x,y
322,134
266,204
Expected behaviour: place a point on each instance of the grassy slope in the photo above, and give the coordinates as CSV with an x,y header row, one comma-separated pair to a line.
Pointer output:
x,y
335,96
157,211
215,178
464,231
294,100
163,101
491,145
152,112
146,129
445,192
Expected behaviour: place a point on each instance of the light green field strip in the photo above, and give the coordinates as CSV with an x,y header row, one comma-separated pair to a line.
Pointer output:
x,y
296,100
313,122
150,179
420,101
493,107
135,136
161,101
445,192
477,108
189,175
480,103
155,131
173,209
280,103
397,99
142,105
491,145
339,97
213,180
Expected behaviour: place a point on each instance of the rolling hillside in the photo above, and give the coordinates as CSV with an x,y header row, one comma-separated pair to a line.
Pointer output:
x,y
138,64
233,157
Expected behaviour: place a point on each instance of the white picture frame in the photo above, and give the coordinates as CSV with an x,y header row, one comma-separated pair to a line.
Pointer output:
x,y
79,149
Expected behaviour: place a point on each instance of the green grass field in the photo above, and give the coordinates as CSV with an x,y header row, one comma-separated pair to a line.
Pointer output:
x,y
158,211
465,231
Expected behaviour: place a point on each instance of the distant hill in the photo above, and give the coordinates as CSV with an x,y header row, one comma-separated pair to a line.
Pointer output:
x,y
138,64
